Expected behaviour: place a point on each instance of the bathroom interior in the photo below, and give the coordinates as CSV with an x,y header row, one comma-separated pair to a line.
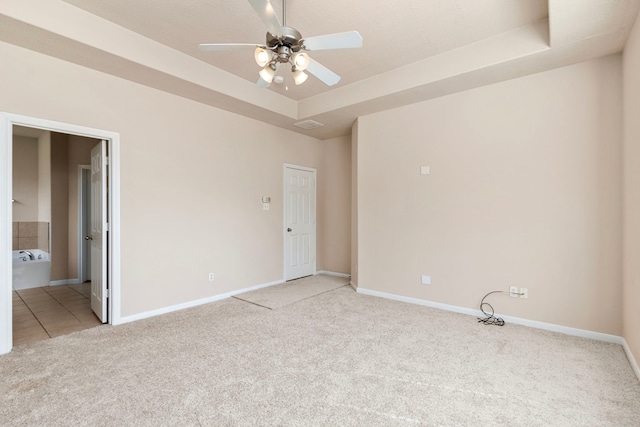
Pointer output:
x,y
50,257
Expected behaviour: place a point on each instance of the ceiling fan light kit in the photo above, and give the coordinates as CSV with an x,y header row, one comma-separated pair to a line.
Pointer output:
x,y
299,76
268,72
262,56
285,45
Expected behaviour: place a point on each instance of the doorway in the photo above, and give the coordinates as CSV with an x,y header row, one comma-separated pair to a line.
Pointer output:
x,y
299,221
112,214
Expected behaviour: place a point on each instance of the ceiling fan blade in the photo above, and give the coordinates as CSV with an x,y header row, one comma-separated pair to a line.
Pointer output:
x,y
324,74
266,14
346,40
226,47
262,83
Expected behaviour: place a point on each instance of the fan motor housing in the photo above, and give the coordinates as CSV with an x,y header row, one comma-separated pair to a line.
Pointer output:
x,y
291,38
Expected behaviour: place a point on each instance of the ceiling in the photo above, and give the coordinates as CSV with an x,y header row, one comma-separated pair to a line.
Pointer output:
x,y
412,51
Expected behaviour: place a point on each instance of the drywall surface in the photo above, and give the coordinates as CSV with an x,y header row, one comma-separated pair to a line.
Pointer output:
x,y
524,189
631,289
25,179
334,196
192,178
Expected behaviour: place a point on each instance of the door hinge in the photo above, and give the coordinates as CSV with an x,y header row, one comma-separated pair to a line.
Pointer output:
x,y
106,226
107,293
106,161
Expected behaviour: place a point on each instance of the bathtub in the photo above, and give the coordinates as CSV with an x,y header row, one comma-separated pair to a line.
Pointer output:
x,y
30,273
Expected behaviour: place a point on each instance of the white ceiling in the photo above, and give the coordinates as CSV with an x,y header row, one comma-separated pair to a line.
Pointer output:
x,y
413,50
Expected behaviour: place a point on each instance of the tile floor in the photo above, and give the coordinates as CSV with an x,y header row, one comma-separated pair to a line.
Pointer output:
x,y
51,311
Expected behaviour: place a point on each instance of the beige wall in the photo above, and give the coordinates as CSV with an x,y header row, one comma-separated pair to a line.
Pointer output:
x,y
59,207
44,177
524,190
192,178
25,179
335,192
631,289
354,204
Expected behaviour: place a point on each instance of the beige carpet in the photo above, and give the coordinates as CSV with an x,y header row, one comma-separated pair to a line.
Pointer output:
x,y
336,359
296,290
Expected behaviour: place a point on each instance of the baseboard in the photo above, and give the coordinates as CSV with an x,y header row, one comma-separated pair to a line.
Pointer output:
x,y
332,273
190,304
353,285
515,320
632,360
65,282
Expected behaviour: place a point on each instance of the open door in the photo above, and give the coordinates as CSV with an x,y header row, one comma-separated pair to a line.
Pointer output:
x,y
99,229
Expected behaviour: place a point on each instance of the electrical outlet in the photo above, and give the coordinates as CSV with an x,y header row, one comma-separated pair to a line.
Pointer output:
x,y
211,277
426,280
513,291
524,293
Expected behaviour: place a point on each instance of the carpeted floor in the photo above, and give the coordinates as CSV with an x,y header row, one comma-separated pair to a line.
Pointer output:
x,y
334,359
291,292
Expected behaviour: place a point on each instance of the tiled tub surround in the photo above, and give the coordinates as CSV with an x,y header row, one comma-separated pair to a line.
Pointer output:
x,y
30,235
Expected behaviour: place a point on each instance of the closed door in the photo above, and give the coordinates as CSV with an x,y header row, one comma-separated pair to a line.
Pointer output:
x,y
300,223
99,227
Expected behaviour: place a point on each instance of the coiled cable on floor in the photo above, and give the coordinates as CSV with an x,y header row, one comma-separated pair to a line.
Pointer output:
x,y
490,318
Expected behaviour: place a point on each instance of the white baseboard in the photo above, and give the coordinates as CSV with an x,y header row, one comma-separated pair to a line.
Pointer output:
x,y
165,310
65,282
332,273
515,320
632,360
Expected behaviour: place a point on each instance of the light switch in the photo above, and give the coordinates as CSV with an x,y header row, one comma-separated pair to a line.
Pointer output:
x,y
425,170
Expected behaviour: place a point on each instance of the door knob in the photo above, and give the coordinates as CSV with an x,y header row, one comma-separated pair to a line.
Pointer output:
x,y
88,238
289,230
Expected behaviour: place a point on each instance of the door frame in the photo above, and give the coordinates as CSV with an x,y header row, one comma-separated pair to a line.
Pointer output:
x,y
7,121
83,217
284,215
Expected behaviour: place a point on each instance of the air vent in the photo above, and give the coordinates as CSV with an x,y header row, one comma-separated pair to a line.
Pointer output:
x,y
309,124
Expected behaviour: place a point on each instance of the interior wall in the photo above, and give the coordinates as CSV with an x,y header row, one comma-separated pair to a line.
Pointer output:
x,y
335,187
631,289
25,179
44,177
59,207
354,204
192,178
524,190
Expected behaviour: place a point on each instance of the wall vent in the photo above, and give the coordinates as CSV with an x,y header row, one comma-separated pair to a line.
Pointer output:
x,y
309,124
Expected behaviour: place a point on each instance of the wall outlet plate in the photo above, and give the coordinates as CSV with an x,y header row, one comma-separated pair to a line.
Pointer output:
x,y
426,280
211,277
524,293
513,291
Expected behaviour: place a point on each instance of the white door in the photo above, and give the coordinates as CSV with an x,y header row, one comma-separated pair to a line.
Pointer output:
x,y
99,227
84,223
300,223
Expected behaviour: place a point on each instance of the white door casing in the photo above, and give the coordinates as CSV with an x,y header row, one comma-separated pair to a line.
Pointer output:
x,y
300,221
99,231
7,121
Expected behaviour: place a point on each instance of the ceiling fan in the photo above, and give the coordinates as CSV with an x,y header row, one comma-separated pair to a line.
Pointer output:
x,y
285,45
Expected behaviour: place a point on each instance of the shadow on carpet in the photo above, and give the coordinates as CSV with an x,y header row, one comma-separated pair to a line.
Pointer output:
x,y
278,296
